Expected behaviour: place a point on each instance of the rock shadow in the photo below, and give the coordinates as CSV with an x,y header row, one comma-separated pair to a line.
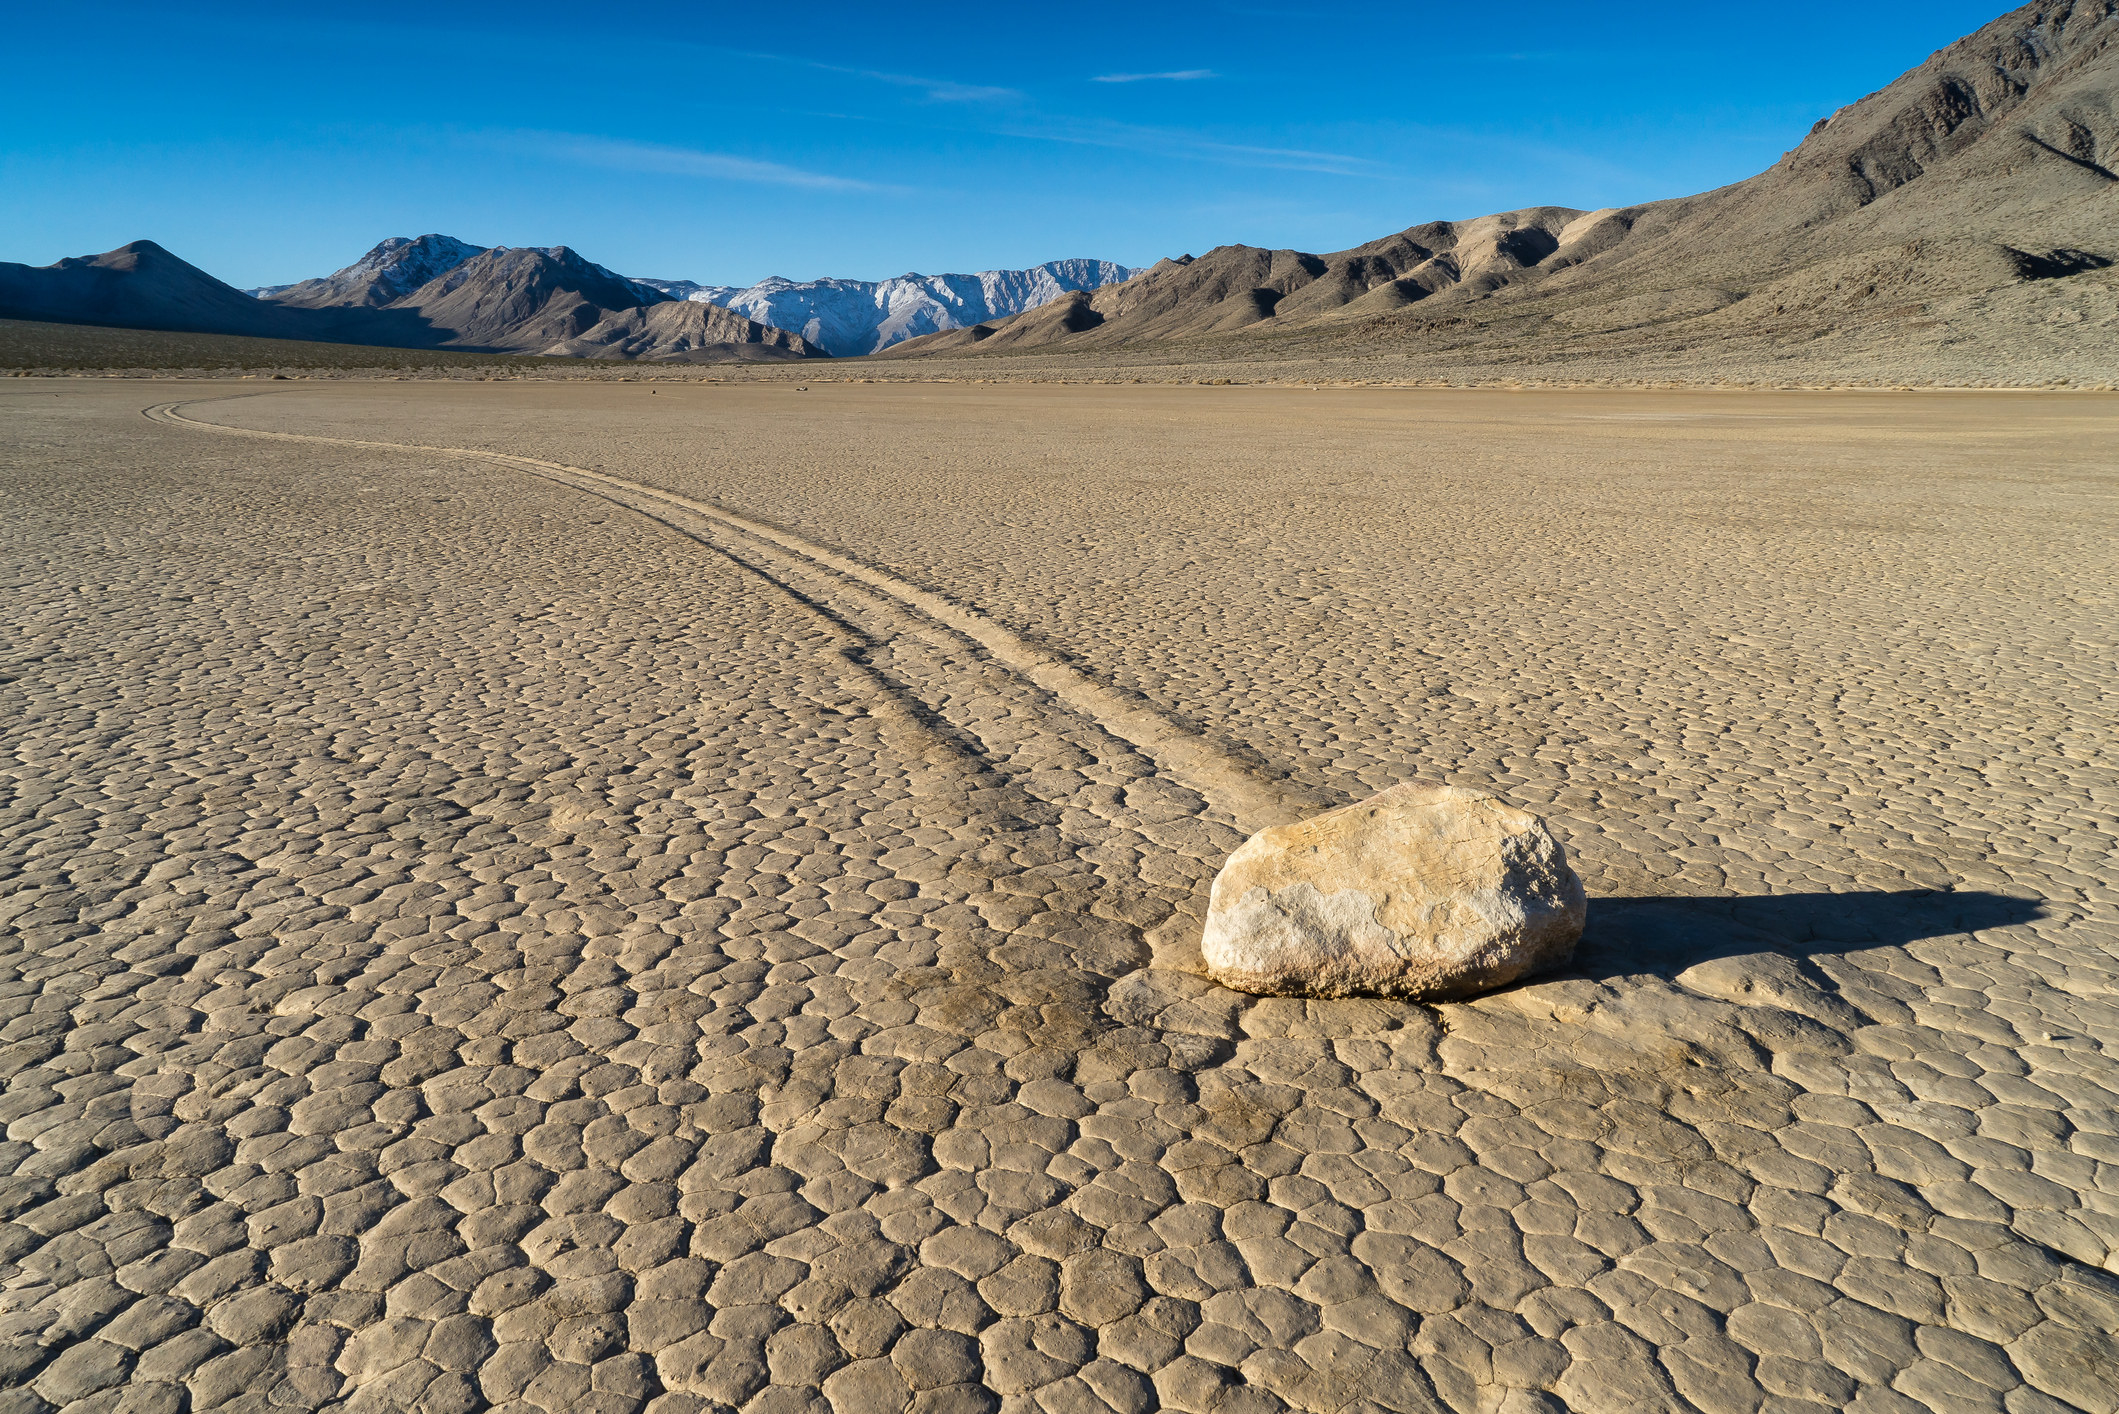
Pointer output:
x,y
1629,936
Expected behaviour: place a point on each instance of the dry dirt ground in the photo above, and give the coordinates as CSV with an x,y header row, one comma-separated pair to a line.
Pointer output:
x,y
686,905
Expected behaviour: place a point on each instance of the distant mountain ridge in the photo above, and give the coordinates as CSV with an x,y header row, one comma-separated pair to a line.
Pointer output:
x,y
691,289
851,317
840,317
431,291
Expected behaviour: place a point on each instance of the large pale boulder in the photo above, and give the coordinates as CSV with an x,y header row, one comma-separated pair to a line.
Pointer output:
x,y
1424,891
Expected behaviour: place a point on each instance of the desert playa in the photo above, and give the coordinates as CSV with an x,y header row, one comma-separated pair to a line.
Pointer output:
x,y
685,897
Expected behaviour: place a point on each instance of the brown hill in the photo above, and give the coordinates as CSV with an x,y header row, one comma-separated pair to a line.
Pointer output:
x,y
1990,166
137,286
523,300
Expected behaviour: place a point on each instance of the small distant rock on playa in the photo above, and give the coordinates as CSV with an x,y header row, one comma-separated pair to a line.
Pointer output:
x,y
1428,892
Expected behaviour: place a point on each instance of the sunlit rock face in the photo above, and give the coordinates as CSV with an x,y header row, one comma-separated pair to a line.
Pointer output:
x,y
1424,891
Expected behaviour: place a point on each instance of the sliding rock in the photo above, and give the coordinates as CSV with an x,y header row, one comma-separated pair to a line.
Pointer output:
x,y
1424,891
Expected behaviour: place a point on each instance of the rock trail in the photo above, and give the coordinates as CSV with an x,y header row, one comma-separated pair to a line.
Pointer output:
x,y
1251,801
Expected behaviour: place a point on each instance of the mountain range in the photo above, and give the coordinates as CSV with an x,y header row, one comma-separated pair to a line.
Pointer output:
x,y
1991,167
850,317
1946,209
841,317
434,292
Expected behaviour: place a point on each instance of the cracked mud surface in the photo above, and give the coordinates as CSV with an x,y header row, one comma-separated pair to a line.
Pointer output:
x,y
473,940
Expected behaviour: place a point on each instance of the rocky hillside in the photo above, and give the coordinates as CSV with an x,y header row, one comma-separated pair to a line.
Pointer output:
x,y
524,300
386,274
1989,167
685,331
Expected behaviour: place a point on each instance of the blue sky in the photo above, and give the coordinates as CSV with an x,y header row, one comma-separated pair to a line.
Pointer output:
x,y
725,143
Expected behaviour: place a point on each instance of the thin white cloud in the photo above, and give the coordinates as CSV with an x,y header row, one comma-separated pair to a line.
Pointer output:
x,y
939,90
624,156
1167,142
1174,76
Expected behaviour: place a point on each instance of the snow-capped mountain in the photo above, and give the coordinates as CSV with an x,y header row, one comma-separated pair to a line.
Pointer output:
x,y
691,290
863,316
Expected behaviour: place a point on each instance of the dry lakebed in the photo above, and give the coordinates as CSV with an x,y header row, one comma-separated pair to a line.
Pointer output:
x,y
686,897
